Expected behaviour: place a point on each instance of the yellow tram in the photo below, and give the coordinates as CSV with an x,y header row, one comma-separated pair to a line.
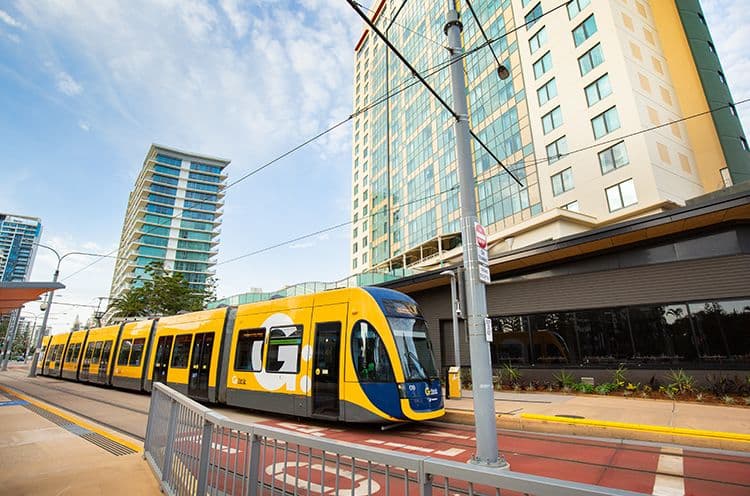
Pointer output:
x,y
355,355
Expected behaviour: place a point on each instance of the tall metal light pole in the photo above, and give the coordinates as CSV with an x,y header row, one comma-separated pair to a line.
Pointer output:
x,y
31,336
476,298
43,331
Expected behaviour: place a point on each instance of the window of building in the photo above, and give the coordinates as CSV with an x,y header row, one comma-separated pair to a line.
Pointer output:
x,y
726,177
533,15
605,123
539,39
364,258
552,120
613,157
547,92
354,263
641,9
284,345
591,59
576,6
572,206
585,30
621,195
649,36
597,90
364,242
562,182
249,354
181,351
627,21
542,65
557,149
636,51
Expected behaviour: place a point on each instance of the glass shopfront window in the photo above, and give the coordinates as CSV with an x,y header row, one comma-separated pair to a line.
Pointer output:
x,y
701,334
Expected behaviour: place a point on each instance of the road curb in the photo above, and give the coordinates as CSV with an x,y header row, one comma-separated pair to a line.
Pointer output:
x,y
619,430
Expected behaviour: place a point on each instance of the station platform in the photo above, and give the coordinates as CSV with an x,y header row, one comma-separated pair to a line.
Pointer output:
x,y
45,451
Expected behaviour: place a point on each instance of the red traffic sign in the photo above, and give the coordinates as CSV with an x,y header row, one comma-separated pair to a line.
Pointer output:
x,y
481,235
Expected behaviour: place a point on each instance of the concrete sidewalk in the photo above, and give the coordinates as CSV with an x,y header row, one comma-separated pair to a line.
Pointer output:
x,y
685,423
43,453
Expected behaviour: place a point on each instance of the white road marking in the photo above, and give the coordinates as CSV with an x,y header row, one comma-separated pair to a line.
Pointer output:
x,y
669,480
445,434
450,452
375,441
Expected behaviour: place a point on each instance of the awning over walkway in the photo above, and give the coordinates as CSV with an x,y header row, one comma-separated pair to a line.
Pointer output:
x,y
15,294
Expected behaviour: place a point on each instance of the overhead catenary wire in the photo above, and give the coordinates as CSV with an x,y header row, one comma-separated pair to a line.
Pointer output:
x,y
424,82
454,188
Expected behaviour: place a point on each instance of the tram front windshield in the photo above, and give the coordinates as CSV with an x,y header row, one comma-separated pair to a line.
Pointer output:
x,y
414,348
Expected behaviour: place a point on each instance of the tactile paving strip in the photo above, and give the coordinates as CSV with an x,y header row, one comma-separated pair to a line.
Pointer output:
x,y
97,439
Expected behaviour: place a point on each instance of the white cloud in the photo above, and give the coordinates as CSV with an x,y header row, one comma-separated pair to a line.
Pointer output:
x,y
11,36
10,20
84,125
66,84
239,19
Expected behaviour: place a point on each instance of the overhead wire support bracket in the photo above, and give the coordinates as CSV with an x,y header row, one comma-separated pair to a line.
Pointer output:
x,y
424,82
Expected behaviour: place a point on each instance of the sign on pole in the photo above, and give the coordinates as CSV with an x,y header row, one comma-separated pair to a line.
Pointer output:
x,y
481,235
484,273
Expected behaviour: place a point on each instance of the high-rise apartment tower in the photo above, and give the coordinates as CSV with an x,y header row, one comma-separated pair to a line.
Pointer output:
x,y
173,218
18,235
595,121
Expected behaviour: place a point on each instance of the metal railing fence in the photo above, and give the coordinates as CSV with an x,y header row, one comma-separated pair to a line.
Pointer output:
x,y
193,450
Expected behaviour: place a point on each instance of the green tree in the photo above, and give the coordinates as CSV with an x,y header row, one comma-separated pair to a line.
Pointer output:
x,y
161,293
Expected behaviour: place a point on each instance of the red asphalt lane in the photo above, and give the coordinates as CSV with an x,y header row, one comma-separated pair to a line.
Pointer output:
x,y
615,465
630,467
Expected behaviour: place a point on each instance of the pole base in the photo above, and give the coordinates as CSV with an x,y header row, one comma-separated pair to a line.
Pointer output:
x,y
500,464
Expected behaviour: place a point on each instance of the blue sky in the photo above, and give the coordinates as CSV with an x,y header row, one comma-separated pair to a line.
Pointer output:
x,y
87,86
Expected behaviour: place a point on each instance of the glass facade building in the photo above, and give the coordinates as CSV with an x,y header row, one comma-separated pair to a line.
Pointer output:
x,y
580,78
173,218
18,235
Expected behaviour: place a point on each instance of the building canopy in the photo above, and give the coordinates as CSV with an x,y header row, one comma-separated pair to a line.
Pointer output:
x,y
13,295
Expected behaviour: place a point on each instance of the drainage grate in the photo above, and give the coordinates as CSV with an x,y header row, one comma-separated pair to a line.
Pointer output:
x,y
94,438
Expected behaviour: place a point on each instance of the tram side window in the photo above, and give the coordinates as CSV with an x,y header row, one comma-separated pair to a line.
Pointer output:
x,y
181,351
136,352
122,358
369,354
284,345
89,353
97,352
69,353
73,352
249,353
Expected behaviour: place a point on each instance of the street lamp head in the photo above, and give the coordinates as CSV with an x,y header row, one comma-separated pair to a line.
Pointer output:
x,y
503,72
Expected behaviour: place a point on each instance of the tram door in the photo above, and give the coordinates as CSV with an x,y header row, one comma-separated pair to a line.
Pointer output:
x,y
326,369
161,359
200,365
104,364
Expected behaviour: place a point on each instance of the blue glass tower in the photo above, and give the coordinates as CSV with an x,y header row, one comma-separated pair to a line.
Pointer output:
x,y
18,235
173,218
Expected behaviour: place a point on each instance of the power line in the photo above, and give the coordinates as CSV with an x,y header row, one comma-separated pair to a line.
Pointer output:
x,y
392,208
405,28
425,83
